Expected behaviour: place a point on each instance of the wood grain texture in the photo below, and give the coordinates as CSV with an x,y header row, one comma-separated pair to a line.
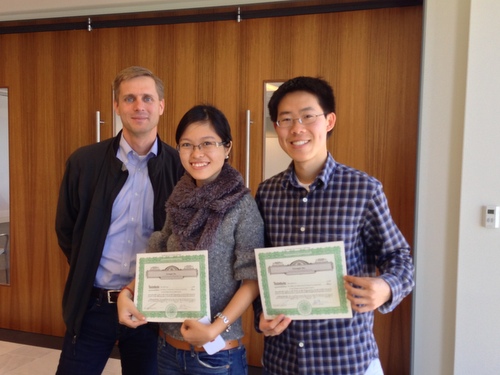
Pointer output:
x,y
57,80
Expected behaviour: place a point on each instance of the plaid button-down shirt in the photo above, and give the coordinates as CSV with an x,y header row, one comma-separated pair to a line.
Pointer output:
x,y
343,204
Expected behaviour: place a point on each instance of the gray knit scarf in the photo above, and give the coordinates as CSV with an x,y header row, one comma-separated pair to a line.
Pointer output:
x,y
196,212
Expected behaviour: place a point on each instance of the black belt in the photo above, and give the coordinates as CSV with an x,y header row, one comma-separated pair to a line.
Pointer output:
x,y
110,295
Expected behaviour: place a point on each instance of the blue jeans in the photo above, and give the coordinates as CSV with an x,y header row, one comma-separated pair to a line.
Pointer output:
x,y
173,361
100,331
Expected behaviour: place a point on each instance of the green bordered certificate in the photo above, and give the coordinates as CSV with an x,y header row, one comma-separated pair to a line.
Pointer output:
x,y
304,282
172,286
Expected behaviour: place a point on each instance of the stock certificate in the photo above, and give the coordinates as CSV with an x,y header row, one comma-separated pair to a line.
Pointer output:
x,y
303,281
172,286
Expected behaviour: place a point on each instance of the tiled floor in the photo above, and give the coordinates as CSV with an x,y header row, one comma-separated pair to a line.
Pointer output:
x,y
19,359
24,353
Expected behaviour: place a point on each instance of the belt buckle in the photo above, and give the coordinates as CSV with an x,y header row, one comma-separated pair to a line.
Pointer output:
x,y
110,293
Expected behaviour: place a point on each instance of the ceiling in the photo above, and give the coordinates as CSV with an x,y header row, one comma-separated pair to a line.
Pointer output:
x,y
40,9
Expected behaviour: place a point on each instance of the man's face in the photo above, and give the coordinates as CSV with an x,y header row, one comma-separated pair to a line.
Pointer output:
x,y
139,107
304,143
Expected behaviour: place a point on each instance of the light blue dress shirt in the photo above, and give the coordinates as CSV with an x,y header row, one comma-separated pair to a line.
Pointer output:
x,y
131,221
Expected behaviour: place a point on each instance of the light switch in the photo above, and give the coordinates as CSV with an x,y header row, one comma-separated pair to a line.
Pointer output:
x,y
492,216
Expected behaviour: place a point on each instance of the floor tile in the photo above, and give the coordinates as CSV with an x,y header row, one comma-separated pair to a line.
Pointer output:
x,y
6,346
10,362
16,358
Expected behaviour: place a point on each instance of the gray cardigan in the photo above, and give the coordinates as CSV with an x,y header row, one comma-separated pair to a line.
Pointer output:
x,y
231,258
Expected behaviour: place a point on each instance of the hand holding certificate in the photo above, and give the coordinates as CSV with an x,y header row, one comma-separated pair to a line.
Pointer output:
x,y
172,286
304,282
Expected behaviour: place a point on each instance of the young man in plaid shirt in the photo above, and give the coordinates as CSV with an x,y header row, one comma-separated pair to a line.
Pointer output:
x,y
320,200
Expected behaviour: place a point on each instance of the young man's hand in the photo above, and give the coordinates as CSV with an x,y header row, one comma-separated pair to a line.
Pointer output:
x,y
275,326
366,293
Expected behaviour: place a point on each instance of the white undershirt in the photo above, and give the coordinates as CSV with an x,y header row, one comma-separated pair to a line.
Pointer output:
x,y
305,186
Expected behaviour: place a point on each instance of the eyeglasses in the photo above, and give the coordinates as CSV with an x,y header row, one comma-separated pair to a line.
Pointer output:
x,y
207,146
307,119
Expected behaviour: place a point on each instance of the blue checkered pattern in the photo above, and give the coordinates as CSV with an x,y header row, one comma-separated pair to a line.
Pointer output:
x,y
343,204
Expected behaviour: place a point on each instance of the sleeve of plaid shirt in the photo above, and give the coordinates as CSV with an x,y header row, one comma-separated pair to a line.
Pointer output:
x,y
392,252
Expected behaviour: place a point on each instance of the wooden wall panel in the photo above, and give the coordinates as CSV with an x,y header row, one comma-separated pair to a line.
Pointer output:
x,y
49,79
115,49
197,62
374,71
58,80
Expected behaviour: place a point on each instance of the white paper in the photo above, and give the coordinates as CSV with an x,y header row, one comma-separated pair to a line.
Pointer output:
x,y
172,286
304,282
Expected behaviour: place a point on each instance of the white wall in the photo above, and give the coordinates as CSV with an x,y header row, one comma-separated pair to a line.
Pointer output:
x,y
457,304
478,299
275,159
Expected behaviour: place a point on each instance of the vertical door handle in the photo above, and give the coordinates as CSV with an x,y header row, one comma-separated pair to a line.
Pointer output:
x,y
98,123
247,159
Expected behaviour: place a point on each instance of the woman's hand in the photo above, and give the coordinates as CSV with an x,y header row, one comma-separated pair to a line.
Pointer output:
x,y
196,333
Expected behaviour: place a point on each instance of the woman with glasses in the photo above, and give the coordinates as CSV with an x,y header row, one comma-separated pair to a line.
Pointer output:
x,y
209,209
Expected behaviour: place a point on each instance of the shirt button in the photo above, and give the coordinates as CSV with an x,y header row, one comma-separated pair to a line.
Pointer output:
x,y
304,200
302,229
301,344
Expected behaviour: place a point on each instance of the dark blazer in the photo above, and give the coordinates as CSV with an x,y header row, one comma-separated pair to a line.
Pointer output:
x,y
93,178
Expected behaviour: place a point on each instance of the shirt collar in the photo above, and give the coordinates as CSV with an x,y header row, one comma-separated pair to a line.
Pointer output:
x,y
125,151
320,182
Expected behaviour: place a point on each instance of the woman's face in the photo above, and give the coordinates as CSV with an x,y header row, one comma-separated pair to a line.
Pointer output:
x,y
204,162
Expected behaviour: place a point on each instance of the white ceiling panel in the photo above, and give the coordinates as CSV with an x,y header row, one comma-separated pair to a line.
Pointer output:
x,y
38,9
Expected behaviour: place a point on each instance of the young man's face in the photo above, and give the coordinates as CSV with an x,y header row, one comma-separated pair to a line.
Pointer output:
x,y
305,144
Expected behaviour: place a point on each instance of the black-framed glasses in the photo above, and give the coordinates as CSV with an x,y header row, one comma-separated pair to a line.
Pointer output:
x,y
206,146
307,119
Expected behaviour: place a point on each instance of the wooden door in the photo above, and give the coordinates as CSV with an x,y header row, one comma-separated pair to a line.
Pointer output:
x,y
50,89
198,62
372,60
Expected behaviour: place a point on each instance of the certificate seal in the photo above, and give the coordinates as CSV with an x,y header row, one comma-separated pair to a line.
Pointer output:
x,y
171,311
304,307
